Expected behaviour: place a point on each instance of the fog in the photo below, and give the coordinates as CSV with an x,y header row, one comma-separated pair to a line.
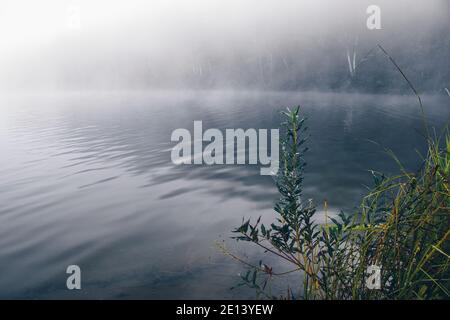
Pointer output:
x,y
92,91
211,44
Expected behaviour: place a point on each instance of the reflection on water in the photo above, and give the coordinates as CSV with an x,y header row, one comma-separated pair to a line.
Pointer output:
x,y
87,179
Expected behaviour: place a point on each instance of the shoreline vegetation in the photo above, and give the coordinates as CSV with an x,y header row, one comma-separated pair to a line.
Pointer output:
x,y
401,228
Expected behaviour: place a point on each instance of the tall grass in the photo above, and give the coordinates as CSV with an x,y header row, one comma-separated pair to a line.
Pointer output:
x,y
402,226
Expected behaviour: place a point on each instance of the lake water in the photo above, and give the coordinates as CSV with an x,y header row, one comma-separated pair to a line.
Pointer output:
x,y
86,179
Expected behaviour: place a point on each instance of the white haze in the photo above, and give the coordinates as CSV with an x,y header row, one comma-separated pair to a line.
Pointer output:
x,y
165,43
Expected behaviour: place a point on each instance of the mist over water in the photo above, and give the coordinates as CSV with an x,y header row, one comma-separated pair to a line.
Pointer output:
x,y
90,92
112,45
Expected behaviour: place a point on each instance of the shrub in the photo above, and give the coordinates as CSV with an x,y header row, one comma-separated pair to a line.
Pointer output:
x,y
401,226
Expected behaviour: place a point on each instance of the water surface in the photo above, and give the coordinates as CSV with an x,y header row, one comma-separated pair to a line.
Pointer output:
x,y
86,179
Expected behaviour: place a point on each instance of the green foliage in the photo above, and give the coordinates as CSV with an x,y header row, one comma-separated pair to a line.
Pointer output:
x,y
401,226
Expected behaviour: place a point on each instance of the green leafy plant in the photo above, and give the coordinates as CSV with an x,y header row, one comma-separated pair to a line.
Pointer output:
x,y
402,226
